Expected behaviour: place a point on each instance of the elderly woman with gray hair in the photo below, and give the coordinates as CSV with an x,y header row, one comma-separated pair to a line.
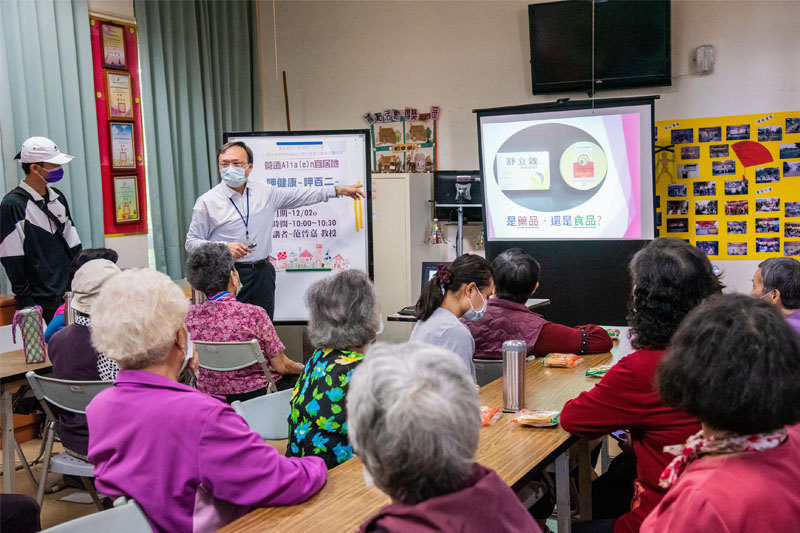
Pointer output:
x,y
222,318
414,421
188,459
343,320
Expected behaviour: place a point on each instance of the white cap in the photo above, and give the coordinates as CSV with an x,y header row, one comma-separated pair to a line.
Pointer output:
x,y
42,150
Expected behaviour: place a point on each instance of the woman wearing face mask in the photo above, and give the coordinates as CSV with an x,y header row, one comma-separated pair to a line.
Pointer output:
x,y
210,270
188,459
459,290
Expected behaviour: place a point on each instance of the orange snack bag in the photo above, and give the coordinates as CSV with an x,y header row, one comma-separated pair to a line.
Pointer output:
x,y
536,418
561,360
489,415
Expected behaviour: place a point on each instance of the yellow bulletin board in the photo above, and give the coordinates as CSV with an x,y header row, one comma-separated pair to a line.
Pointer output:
x,y
727,198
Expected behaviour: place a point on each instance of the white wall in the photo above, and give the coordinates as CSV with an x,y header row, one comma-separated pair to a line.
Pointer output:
x,y
344,58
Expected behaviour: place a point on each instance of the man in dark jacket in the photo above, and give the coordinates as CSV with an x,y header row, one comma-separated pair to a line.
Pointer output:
x,y
37,237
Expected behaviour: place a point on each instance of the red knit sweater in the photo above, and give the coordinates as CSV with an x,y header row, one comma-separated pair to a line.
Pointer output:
x,y
625,399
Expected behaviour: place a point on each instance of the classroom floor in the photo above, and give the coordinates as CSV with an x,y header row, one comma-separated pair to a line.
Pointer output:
x,y
54,512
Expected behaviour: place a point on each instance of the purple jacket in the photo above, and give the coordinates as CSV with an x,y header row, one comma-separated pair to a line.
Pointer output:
x,y
186,457
485,504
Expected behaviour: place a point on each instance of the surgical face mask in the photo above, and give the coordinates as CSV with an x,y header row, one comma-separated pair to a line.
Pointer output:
x,y
766,294
380,328
233,176
53,175
189,353
473,314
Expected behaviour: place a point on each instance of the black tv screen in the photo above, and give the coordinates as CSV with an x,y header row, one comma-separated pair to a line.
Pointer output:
x,y
632,45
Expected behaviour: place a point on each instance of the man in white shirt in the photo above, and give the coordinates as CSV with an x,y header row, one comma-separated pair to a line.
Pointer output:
x,y
241,213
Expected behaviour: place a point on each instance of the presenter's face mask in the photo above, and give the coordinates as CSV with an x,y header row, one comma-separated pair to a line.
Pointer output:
x,y
472,313
233,176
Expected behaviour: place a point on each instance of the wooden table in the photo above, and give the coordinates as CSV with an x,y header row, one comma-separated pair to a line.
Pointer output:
x,y
516,453
12,374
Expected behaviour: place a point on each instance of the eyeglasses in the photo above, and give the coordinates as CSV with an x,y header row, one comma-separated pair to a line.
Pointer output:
x,y
240,164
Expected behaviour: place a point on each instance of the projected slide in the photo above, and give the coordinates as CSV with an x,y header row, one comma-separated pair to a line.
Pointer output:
x,y
568,175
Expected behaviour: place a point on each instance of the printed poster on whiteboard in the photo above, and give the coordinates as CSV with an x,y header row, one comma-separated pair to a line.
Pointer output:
x,y
316,241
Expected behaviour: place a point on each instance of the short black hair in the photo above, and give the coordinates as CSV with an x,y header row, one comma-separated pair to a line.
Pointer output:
x,y
734,363
90,254
225,147
782,273
670,278
516,274
208,268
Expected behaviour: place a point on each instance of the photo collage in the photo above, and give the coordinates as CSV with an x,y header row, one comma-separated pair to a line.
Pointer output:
x,y
734,188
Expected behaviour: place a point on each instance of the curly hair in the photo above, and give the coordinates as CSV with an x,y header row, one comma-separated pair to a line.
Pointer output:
x,y
734,363
208,268
670,278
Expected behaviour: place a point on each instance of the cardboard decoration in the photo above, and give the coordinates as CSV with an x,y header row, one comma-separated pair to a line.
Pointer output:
x,y
403,141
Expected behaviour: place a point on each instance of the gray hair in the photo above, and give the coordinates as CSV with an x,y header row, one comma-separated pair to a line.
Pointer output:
x,y
783,274
343,311
136,317
208,268
413,419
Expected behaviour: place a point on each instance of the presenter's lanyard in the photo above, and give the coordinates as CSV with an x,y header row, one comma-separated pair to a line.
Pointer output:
x,y
245,220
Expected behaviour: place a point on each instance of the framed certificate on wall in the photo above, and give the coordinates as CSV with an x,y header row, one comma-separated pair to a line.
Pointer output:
x,y
119,98
113,40
126,199
122,146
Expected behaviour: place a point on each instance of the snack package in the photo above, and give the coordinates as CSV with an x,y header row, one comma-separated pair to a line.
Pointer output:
x,y
613,332
561,360
598,371
489,415
537,418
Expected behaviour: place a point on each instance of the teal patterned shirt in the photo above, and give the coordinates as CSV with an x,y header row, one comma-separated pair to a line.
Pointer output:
x,y
318,420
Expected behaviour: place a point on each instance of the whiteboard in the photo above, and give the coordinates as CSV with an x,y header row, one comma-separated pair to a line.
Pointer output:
x,y
317,241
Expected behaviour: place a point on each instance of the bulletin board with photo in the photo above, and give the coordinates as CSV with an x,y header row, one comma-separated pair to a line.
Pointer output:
x,y
115,62
731,185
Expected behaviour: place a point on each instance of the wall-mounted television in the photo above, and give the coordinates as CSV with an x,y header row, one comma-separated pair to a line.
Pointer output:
x,y
631,45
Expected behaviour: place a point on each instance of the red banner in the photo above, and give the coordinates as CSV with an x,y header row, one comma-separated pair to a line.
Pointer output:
x,y
114,224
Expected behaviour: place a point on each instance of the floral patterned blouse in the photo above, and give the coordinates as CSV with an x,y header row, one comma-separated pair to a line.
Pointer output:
x,y
233,321
318,421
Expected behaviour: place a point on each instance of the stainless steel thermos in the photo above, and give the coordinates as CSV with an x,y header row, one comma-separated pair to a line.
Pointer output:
x,y
69,312
514,353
